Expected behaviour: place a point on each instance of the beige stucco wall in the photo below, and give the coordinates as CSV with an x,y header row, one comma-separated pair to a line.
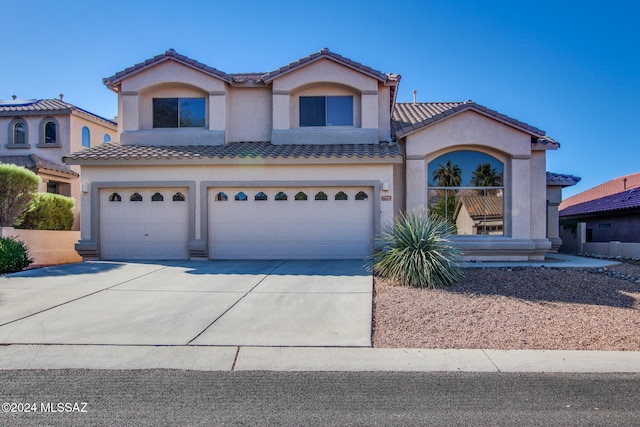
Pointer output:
x,y
249,115
524,175
47,247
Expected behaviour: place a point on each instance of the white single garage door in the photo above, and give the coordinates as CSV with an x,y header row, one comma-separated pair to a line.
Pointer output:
x,y
146,224
291,223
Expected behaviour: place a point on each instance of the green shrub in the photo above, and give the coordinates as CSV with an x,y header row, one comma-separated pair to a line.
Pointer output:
x,y
14,255
17,187
48,212
415,250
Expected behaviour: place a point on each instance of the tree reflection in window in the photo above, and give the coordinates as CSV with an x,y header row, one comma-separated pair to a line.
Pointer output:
x,y
300,196
115,197
157,197
341,195
466,188
260,196
179,197
361,195
321,195
241,197
222,197
280,196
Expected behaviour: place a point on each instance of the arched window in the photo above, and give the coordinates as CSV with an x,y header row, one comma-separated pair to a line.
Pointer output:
x,y
106,138
115,197
241,197
466,188
260,196
280,196
19,132
135,197
321,195
221,197
179,197
157,197
50,132
86,137
341,195
361,195
300,196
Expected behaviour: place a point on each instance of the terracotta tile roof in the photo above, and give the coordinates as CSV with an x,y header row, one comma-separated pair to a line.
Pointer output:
x,y
410,117
614,186
562,180
475,206
326,53
35,163
170,54
114,151
43,106
628,199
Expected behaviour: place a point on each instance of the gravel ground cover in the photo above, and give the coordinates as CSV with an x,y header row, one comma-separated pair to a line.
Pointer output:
x,y
515,308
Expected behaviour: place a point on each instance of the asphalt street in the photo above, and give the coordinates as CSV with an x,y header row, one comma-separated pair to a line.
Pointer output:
x,y
173,397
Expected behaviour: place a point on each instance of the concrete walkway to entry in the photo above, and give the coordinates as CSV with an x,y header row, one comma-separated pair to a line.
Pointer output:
x,y
222,303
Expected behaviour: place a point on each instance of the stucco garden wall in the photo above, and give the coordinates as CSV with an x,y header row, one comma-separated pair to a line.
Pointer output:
x,y
47,247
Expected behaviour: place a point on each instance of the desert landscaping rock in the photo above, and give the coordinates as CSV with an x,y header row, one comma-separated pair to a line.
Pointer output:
x,y
515,308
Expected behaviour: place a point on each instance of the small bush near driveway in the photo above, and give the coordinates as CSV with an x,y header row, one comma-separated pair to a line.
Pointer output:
x,y
415,250
14,256
48,212
17,187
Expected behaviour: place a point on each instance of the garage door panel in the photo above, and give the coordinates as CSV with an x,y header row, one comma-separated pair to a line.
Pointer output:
x,y
278,229
147,229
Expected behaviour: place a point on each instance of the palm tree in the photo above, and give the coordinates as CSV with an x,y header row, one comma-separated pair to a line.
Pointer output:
x,y
448,175
485,176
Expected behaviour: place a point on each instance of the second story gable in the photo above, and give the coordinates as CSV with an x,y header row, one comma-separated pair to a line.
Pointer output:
x,y
320,99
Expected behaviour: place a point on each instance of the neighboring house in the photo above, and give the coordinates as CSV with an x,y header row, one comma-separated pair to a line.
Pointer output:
x,y
611,212
36,133
478,214
555,183
307,161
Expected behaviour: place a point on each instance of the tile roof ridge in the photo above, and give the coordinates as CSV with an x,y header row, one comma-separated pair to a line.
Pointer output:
x,y
169,54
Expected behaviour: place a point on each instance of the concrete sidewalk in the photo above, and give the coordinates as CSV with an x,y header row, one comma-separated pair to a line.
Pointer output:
x,y
232,358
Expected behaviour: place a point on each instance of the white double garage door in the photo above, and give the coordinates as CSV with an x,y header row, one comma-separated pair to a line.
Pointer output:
x,y
242,223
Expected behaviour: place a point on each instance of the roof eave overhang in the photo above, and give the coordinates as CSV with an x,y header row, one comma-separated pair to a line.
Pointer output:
x,y
232,161
114,83
269,77
409,130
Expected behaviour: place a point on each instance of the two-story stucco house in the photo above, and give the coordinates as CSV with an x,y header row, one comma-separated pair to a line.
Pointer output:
x,y
307,161
36,133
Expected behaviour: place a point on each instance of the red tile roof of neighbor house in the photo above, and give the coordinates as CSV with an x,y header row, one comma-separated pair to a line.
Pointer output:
x,y
114,151
628,199
479,206
614,186
43,106
35,163
410,117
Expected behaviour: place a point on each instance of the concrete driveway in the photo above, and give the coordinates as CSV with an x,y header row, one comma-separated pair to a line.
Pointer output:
x,y
201,303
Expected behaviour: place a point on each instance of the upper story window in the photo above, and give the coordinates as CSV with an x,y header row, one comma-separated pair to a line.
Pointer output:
x,y
50,132
18,131
326,111
106,138
86,137
178,112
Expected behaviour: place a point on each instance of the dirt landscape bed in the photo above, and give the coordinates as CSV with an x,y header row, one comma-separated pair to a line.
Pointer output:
x,y
515,308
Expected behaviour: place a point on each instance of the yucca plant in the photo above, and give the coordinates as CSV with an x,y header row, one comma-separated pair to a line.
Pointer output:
x,y
415,250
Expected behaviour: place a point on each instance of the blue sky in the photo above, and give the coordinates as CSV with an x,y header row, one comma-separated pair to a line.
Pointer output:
x,y
571,68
